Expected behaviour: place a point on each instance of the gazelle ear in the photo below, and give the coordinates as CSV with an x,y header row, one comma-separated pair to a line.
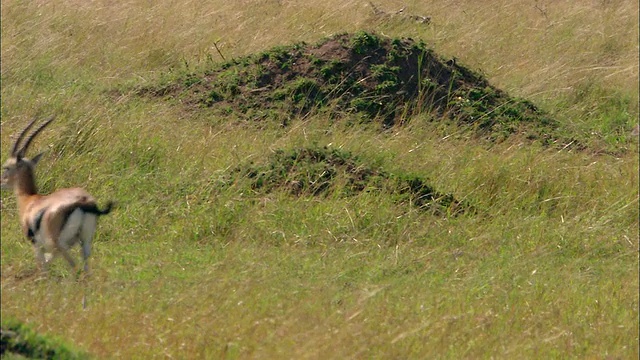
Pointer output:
x,y
36,158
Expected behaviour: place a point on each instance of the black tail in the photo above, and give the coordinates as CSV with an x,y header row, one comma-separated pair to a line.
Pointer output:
x,y
95,210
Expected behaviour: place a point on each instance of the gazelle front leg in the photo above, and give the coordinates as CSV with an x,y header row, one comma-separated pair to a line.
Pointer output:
x,y
40,258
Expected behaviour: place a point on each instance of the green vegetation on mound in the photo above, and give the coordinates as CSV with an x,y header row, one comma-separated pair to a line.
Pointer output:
x,y
19,340
315,171
364,75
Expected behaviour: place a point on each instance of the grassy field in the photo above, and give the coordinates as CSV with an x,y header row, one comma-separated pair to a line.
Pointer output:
x,y
190,265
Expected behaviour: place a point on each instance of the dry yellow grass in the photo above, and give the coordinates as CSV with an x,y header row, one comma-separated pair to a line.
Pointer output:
x,y
548,269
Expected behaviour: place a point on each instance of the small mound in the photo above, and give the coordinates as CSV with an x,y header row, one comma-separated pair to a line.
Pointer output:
x,y
332,172
20,341
375,78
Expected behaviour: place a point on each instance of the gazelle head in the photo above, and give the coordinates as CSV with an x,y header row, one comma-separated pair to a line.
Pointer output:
x,y
18,168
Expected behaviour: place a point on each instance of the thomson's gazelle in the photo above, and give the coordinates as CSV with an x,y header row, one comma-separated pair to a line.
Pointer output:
x,y
54,222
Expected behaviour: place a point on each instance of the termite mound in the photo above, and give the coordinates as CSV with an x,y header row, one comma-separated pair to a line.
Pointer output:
x,y
360,77
330,172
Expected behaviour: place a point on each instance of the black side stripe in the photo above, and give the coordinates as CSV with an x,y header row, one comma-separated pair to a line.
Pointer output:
x,y
34,228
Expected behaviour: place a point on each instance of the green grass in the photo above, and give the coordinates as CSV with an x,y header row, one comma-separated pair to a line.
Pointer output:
x,y
21,342
546,266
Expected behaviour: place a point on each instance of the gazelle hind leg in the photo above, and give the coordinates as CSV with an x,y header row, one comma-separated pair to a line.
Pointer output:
x,y
86,238
65,253
70,234
86,252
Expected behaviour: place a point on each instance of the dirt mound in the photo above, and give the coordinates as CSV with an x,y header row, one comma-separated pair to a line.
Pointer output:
x,y
361,74
316,171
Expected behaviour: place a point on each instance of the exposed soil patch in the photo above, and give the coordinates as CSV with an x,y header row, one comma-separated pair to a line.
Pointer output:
x,y
362,76
331,172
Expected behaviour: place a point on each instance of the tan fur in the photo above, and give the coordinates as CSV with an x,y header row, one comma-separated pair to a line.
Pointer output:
x,y
56,203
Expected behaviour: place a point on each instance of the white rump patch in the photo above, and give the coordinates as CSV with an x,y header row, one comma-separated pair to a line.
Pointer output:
x,y
78,224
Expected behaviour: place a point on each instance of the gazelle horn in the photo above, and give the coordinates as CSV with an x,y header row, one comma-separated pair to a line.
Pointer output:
x,y
33,135
14,148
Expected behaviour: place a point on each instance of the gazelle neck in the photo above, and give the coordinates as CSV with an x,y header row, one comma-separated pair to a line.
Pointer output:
x,y
25,188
